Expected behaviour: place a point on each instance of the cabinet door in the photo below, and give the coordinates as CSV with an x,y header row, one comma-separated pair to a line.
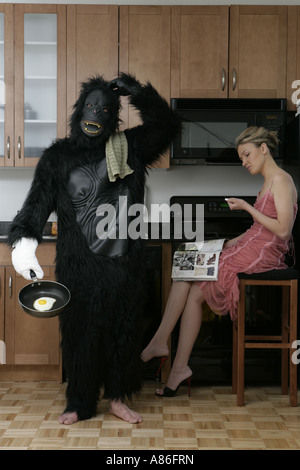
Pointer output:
x,y
145,48
92,46
40,79
257,58
2,290
293,57
199,60
6,85
29,340
145,53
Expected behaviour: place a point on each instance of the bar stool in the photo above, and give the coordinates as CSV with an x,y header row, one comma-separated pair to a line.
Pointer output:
x,y
287,279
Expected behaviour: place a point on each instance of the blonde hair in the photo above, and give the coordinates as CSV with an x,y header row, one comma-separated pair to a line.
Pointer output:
x,y
258,136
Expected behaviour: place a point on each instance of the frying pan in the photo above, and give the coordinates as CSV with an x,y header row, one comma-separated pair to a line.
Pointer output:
x,y
30,293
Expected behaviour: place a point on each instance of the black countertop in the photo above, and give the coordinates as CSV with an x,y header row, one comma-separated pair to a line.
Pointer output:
x,y
153,232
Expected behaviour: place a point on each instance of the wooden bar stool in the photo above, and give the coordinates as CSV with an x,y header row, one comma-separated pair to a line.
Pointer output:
x,y
287,279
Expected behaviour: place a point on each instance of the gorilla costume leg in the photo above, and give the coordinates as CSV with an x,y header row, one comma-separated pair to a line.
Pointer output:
x,y
104,275
100,345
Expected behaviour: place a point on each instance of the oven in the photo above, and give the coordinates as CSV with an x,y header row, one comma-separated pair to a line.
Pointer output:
x,y
211,358
151,317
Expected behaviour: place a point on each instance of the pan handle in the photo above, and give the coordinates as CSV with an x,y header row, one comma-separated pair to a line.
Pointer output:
x,y
33,275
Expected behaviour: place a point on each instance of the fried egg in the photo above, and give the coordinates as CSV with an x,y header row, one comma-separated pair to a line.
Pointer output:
x,y
44,303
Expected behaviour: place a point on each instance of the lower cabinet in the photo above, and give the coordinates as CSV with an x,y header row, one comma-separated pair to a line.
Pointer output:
x,y
30,347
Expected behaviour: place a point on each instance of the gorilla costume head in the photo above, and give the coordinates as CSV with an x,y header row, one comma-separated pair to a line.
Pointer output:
x,y
96,113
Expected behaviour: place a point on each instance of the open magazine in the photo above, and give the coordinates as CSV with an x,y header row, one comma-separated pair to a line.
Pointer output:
x,y
198,261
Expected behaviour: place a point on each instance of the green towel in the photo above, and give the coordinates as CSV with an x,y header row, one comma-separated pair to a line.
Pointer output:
x,y
116,152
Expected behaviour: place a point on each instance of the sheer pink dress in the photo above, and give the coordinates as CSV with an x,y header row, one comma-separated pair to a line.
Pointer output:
x,y
257,251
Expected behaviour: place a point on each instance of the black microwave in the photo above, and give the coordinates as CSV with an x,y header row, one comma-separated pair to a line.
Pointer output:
x,y
211,125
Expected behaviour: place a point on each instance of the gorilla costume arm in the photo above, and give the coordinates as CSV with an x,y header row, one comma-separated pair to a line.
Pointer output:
x,y
160,124
146,143
39,203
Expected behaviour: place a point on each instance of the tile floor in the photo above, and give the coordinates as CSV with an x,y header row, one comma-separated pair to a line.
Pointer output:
x,y
209,419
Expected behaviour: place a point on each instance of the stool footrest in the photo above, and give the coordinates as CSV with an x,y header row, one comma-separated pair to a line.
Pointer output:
x,y
263,338
268,345
287,279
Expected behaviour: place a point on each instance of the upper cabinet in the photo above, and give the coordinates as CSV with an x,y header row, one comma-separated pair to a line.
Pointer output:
x,y
199,51
257,51
33,81
236,51
47,51
107,39
92,46
144,51
145,48
293,57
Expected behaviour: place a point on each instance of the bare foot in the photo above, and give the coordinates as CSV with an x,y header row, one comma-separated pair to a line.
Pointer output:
x,y
153,350
68,418
122,411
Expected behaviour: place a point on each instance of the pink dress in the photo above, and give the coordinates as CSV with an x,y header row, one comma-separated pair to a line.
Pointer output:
x,y
257,251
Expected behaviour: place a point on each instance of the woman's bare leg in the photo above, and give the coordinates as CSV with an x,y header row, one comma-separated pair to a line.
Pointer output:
x,y
189,329
158,346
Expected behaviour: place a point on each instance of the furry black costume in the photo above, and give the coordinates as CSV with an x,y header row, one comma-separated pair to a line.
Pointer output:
x,y
100,340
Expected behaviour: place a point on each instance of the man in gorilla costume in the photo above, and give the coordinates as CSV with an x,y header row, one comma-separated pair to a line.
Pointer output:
x,y
78,177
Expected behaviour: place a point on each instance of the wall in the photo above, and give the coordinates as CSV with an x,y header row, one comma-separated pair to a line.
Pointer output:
x,y
161,184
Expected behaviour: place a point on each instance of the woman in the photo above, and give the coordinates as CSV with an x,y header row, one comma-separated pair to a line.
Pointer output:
x,y
261,248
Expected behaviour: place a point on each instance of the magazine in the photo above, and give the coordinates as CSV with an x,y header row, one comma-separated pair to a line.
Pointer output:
x,y
198,261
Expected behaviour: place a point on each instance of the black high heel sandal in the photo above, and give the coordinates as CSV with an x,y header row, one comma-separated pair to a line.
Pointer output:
x,y
161,360
169,392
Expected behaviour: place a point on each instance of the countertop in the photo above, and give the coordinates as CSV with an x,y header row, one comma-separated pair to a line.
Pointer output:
x,y
4,228
154,231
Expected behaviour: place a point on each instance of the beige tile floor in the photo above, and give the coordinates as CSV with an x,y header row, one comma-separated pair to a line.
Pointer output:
x,y
209,419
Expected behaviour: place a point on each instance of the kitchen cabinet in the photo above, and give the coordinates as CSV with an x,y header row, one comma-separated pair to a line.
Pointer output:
x,y
145,48
199,51
32,344
92,46
133,39
293,57
236,51
144,52
32,79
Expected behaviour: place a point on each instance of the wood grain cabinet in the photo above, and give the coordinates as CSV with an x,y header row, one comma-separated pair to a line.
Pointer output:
x,y
236,51
107,39
32,345
145,48
92,46
32,81
293,57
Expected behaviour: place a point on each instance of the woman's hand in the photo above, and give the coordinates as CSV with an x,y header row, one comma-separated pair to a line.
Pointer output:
x,y
237,204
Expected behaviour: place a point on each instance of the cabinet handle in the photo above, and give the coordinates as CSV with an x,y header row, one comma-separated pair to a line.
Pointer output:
x,y
223,79
8,147
10,287
19,147
233,79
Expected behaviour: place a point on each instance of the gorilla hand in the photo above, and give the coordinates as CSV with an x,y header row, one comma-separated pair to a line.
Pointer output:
x,y
125,85
24,259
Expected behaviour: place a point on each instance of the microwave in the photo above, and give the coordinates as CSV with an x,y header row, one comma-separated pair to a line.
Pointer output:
x,y
211,125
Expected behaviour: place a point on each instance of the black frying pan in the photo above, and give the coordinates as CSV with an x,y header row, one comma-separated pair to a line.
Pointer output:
x,y
30,293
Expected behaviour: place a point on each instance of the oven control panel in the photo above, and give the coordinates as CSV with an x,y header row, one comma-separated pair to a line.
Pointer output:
x,y
214,206
217,206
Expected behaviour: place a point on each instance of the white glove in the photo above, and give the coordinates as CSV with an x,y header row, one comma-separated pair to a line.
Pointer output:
x,y
24,259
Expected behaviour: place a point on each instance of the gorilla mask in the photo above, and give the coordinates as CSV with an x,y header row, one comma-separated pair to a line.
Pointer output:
x,y
96,112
